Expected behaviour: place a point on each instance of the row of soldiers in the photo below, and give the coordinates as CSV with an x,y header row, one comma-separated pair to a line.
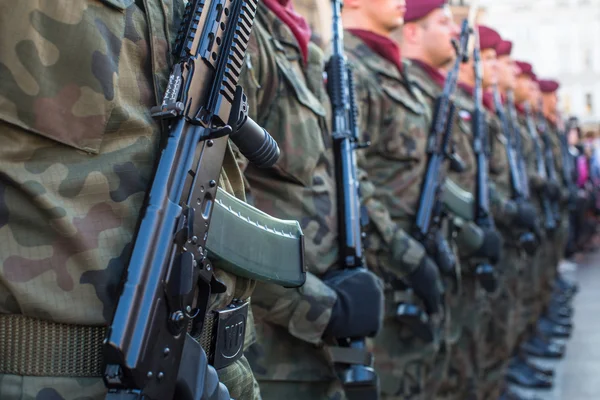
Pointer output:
x,y
77,150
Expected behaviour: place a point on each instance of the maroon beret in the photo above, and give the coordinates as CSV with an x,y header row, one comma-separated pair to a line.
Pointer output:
x,y
504,48
417,9
524,68
488,38
548,85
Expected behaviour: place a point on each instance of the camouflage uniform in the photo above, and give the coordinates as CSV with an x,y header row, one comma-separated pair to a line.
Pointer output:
x,y
562,233
503,330
288,98
394,117
452,376
77,148
531,298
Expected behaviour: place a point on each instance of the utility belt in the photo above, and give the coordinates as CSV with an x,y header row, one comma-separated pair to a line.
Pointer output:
x,y
34,347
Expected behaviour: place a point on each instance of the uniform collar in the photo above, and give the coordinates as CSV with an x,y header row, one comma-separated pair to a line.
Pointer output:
x,y
371,60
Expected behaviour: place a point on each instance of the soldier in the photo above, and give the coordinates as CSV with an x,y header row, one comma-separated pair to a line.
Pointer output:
x,y
426,40
519,245
283,78
532,341
395,115
555,129
77,148
395,120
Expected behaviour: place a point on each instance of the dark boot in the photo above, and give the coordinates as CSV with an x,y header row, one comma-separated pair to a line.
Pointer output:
x,y
509,394
522,375
538,346
523,358
550,329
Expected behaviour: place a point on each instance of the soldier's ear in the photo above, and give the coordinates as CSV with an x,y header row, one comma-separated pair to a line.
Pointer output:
x,y
409,32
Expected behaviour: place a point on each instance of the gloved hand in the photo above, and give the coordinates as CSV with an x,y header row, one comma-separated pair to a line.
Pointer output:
x,y
553,190
526,217
491,247
358,310
426,283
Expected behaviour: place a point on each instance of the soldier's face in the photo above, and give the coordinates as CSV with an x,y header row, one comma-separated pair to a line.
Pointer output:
x,y
507,73
489,63
535,93
550,101
436,34
386,15
522,89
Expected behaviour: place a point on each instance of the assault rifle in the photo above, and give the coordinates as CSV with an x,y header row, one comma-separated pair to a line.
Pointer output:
x,y
430,209
549,218
484,272
520,189
150,350
568,173
549,158
358,377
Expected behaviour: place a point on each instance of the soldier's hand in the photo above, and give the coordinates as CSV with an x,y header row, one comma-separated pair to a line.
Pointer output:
x,y
426,283
526,217
491,246
553,190
358,310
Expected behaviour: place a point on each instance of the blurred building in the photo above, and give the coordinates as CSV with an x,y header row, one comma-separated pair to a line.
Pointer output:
x,y
561,38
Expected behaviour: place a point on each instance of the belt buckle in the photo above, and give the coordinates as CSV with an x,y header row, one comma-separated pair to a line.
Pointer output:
x,y
230,331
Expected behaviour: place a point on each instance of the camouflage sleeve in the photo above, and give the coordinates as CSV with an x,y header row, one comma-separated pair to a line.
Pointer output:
x,y
536,182
406,252
304,312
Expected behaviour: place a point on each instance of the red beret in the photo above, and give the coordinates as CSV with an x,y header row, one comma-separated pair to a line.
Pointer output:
x,y
548,85
488,38
504,48
417,9
525,68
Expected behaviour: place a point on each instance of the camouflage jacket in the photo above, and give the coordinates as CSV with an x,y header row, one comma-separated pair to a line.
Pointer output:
x,y
462,137
392,115
554,135
287,97
77,148
528,150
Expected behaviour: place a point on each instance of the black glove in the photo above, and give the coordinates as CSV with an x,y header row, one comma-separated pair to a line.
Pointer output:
x,y
491,248
526,217
358,311
425,281
553,190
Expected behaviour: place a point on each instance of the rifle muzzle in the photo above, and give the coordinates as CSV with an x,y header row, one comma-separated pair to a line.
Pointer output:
x,y
416,319
360,381
486,275
528,242
256,144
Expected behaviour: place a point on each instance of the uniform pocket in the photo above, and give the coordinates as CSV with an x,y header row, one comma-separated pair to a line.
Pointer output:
x,y
59,63
299,124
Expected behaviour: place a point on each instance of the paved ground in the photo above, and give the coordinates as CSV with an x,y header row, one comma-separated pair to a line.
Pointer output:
x,y
578,374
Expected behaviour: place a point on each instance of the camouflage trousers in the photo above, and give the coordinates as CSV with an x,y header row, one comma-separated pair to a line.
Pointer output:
x,y
461,380
502,330
403,361
237,377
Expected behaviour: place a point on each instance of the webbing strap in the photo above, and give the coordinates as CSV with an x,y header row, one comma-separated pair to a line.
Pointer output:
x,y
35,347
